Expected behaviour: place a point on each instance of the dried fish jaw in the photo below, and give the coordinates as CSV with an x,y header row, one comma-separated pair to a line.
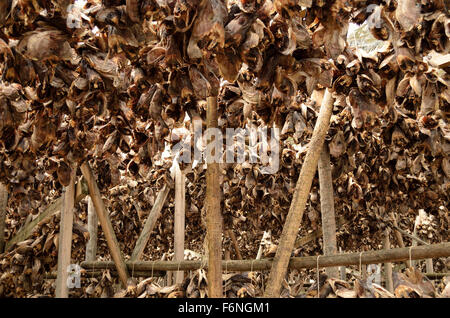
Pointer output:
x,y
405,59
133,10
42,44
185,12
236,30
407,14
208,30
111,15
284,36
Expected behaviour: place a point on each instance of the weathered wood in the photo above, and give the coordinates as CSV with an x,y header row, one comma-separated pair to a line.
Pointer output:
x,y
91,246
235,243
369,257
150,223
317,233
179,221
342,269
436,275
169,278
398,235
3,203
440,60
54,208
429,265
301,194
213,212
105,222
65,237
411,236
265,236
388,265
415,242
88,274
327,208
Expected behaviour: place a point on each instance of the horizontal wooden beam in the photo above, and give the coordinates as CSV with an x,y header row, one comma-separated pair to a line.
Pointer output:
x,y
81,191
370,257
87,274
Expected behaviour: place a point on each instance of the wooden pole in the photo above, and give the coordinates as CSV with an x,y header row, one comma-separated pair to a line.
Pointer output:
x,y
150,223
91,246
398,235
213,211
429,265
88,274
342,269
179,222
411,236
65,238
388,265
295,215
235,243
105,222
414,242
327,209
265,236
317,233
3,204
53,209
369,257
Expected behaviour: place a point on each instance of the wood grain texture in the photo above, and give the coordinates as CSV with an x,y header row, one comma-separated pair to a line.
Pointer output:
x,y
65,238
105,222
327,208
388,265
91,246
3,203
53,209
213,212
369,257
150,223
179,222
301,194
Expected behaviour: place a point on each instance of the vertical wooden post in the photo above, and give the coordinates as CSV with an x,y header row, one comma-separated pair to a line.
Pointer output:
x,y
105,222
213,211
414,242
91,246
265,236
398,236
388,266
179,222
342,269
65,238
3,204
429,265
364,272
235,243
169,276
301,194
327,209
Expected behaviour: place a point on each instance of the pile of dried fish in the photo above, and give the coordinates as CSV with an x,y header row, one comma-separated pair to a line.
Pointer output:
x,y
110,80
